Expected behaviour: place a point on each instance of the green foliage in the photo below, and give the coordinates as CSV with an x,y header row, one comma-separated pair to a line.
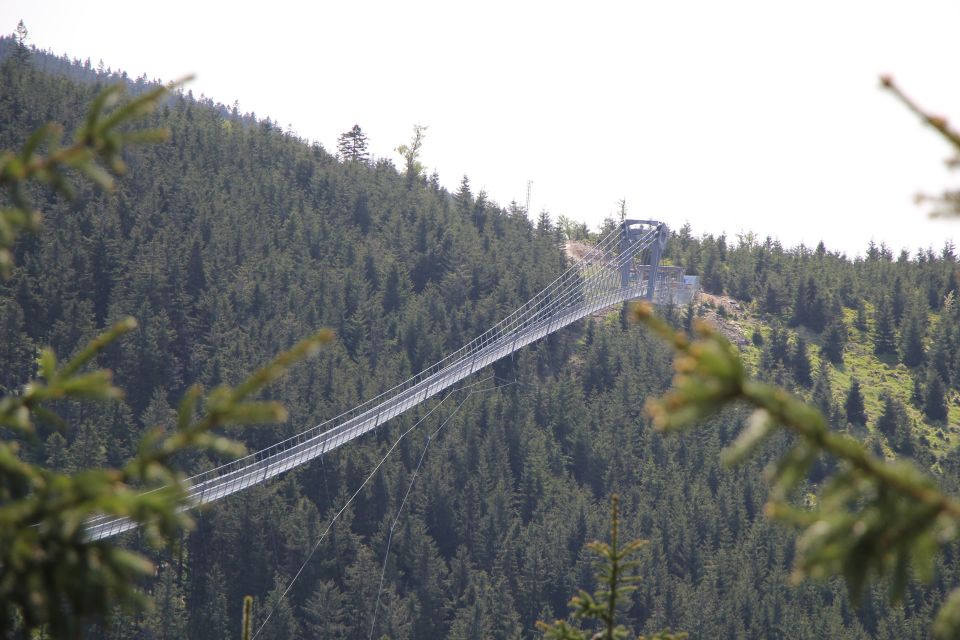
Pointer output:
x,y
616,580
21,53
223,271
51,576
893,414
352,146
94,153
834,340
822,393
411,153
571,229
884,333
895,423
21,35
809,307
853,406
872,517
800,362
861,322
935,398
235,237
912,332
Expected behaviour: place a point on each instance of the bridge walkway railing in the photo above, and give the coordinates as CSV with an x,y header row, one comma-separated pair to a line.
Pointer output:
x,y
296,451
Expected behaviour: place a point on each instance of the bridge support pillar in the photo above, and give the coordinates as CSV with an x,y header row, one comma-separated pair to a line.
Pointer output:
x,y
657,251
627,237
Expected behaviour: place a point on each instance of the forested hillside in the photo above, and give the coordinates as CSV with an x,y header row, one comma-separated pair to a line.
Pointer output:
x,y
234,239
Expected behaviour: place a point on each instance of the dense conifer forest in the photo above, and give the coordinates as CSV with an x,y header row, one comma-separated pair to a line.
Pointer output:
x,y
236,238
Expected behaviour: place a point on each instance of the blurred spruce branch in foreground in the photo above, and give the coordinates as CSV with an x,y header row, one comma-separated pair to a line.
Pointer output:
x,y
872,517
52,579
947,203
616,580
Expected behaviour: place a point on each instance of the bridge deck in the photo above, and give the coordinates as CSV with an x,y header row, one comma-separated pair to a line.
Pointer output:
x,y
570,300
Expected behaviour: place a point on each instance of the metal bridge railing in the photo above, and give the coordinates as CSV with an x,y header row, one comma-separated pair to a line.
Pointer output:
x,y
569,298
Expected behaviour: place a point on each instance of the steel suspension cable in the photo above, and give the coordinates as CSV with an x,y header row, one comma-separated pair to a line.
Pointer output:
x,y
555,306
353,496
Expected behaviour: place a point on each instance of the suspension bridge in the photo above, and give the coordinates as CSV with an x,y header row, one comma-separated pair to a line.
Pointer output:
x,y
623,265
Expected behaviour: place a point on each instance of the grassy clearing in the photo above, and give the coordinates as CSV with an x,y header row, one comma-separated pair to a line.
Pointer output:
x,y
876,375
879,374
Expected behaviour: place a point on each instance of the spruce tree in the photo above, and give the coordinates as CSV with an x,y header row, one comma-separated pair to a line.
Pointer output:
x,y
772,297
898,300
800,363
834,340
892,414
196,280
861,322
854,407
168,619
778,346
943,347
687,318
352,146
895,424
951,285
55,581
816,307
935,398
809,306
884,336
911,340
21,53
917,392
822,392
799,305
904,442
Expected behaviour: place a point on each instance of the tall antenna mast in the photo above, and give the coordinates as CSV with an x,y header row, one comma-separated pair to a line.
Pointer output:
x,y
529,184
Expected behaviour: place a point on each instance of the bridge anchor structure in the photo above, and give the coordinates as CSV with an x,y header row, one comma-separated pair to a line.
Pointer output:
x,y
612,272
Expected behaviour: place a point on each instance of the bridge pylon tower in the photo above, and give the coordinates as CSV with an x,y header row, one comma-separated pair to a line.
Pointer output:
x,y
633,231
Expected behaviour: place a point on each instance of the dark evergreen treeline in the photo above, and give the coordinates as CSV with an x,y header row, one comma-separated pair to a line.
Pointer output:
x,y
234,239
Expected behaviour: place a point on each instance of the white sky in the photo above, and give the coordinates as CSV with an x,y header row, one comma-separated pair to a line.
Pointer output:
x,y
735,116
